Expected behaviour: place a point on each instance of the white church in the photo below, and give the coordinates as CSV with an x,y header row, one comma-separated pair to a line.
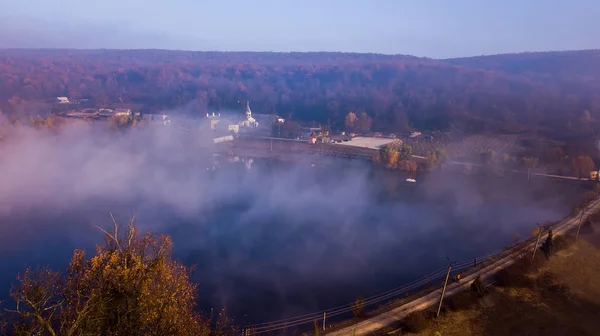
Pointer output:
x,y
250,121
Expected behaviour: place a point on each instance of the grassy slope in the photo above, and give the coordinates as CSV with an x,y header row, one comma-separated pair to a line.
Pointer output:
x,y
559,297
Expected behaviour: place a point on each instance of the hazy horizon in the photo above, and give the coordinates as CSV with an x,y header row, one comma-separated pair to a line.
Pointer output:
x,y
424,29
300,51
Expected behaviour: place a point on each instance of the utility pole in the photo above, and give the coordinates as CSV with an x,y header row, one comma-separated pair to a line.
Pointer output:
x,y
537,241
271,145
444,290
580,221
324,317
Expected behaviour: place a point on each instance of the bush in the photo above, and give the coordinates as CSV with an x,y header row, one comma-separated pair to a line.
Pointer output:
x,y
358,308
315,331
548,246
416,322
477,286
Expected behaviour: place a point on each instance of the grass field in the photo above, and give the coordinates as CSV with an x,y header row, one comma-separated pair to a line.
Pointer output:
x,y
465,147
479,143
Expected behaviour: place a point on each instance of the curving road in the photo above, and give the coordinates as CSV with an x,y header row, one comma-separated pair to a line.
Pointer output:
x,y
388,318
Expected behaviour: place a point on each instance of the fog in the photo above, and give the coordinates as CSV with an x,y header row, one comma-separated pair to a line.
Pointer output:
x,y
274,240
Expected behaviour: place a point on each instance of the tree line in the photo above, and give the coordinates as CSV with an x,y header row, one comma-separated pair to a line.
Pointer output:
x,y
389,93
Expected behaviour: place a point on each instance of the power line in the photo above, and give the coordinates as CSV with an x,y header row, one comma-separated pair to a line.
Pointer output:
x,y
332,312
265,327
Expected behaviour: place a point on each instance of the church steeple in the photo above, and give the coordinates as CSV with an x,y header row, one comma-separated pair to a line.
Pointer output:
x,y
248,111
250,121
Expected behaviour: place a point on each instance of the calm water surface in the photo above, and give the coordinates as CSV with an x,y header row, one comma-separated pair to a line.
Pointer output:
x,y
279,239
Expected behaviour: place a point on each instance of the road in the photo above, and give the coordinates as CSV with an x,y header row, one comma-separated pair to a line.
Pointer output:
x,y
432,299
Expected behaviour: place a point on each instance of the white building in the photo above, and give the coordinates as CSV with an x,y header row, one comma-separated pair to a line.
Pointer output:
x,y
215,119
122,112
62,100
156,117
223,139
268,119
233,128
105,112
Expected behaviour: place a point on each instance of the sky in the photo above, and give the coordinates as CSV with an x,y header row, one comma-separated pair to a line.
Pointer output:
x,y
430,28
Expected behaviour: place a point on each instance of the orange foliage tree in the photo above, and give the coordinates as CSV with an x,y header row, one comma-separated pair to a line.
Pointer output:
x,y
130,287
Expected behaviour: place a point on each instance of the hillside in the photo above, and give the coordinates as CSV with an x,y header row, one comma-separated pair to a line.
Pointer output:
x,y
559,297
567,65
542,92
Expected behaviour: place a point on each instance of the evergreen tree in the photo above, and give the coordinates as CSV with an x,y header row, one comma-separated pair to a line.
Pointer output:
x,y
548,245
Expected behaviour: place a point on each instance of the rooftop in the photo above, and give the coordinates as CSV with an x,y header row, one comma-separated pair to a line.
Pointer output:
x,y
367,142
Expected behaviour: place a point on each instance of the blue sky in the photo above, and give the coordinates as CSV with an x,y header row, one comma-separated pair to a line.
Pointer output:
x,y
432,28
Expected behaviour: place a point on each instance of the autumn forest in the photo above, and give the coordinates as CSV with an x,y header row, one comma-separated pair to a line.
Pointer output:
x,y
539,90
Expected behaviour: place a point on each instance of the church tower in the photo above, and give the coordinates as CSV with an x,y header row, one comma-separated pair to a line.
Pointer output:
x,y
250,121
248,111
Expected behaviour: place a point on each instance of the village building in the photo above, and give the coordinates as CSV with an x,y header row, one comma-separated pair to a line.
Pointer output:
x,y
214,119
105,112
160,117
122,112
267,120
250,122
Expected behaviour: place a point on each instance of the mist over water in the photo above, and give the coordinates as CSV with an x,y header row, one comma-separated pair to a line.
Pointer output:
x,y
274,240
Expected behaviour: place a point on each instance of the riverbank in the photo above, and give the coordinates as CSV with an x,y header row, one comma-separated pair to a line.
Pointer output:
x,y
558,295
506,260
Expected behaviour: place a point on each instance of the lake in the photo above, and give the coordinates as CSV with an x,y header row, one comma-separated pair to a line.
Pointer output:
x,y
276,239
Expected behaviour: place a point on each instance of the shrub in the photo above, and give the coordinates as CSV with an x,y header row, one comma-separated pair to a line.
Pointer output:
x,y
477,286
548,246
315,331
416,322
358,308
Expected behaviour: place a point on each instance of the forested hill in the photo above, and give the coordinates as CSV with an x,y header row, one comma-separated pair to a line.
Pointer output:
x,y
580,65
546,92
